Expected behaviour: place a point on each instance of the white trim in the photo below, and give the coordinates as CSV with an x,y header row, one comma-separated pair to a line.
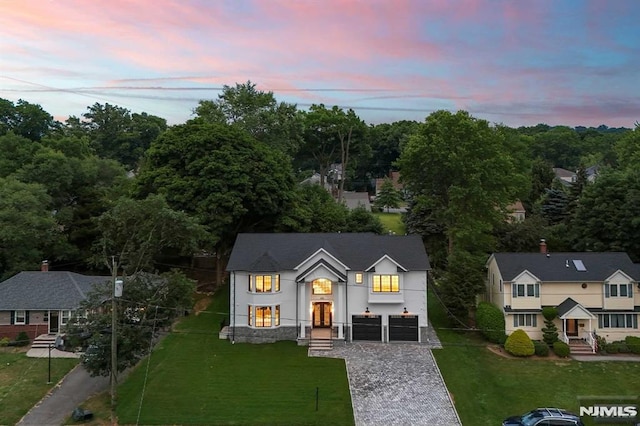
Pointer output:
x,y
320,265
386,256
619,271
321,250
570,313
527,273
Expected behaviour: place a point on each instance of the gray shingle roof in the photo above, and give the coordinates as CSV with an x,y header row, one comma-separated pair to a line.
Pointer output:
x,y
31,290
357,251
553,267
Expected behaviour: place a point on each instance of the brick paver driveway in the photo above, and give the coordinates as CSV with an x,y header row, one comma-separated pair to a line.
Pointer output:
x,y
395,384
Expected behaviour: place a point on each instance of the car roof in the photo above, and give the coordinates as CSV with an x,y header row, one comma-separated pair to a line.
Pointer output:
x,y
556,412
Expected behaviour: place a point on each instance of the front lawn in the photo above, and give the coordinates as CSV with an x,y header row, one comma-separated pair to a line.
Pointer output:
x,y
487,388
23,381
195,378
392,222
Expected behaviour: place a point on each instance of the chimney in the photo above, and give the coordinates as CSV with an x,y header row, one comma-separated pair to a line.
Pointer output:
x,y
45,266
543,246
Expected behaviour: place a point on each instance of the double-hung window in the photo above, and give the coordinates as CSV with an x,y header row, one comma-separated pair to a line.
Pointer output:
x,y
525,290
525,320
20,317
386,283
618,321
618,290
66,316
263,316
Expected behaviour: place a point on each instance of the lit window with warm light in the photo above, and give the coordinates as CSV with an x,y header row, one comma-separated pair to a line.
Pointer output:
x,y
264,283
322,286
386,283
263,316
359,277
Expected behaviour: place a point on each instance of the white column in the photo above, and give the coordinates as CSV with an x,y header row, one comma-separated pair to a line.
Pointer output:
x,y
338,309
302,309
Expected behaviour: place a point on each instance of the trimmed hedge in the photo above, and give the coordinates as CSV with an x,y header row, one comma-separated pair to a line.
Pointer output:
x,y
541,348
22,339
633,343
561,349
490,321
519,344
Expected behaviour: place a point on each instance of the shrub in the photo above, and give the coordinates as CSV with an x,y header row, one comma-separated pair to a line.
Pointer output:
x,y
4,341
612,348
601,343
550,330
633,343
541,348
22,339
622,347
490,321
561,349
519,344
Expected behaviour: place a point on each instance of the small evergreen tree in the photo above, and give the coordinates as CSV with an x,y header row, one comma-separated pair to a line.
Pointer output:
x,y
389,197
550,330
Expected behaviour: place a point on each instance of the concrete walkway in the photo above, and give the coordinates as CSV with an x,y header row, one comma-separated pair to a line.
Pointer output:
x,y
395,384
69,393
606,358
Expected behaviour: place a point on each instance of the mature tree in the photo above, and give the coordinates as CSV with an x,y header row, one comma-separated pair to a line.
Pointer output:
x,y
28,230
628,149
25,119
256,112
554,205
118,135
542,177
136,231
332,135
313,210
607,214
388,197
463,175
559,145
149,303
221,175
521,236
386,141
15,152
362,220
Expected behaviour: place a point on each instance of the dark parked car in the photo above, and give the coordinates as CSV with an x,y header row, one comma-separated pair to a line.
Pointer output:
x,y
545,417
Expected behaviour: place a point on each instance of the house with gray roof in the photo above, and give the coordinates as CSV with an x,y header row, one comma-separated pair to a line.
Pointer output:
x,y
342,286
593,293
42,302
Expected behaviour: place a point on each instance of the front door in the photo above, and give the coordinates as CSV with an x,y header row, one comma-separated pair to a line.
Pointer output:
x,y
322,314
54,322
572,327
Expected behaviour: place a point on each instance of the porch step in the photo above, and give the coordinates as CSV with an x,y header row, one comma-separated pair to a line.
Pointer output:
x,y
320,344
580,347
43,341
224,333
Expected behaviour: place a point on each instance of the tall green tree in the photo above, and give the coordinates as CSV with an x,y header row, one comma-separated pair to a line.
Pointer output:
x,y
388,197
277,124
221,175
28,120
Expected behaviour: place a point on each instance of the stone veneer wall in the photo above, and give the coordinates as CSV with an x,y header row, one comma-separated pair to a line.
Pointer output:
x,y
264,335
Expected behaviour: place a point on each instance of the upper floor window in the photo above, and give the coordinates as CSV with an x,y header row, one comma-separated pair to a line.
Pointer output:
x,y
264,283
359,277
618,290
322,286
386,283
525,290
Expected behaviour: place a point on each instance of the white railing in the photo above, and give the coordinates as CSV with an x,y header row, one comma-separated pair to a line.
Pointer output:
x,y
591,341
564,337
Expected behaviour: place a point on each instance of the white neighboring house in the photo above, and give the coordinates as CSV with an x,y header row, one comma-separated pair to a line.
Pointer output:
x,y
356,286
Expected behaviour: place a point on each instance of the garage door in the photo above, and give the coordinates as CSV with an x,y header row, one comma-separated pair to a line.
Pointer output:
x,y
403,328
367,327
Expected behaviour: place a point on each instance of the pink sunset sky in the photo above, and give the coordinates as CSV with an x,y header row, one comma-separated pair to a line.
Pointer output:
x,y
513,62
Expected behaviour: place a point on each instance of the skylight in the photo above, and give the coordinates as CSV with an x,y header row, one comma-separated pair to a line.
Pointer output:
x,y
579,265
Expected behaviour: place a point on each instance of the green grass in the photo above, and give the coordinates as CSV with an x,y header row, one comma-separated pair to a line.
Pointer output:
x,y
392,222
23,381
195,378
487,388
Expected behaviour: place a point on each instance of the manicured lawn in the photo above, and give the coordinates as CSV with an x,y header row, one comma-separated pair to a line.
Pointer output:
x,y
195,378
487,388
392,222
23,381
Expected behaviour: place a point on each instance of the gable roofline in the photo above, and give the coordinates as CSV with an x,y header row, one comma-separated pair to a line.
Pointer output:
x,y
620,271
321,263
320,250
386,256
526,272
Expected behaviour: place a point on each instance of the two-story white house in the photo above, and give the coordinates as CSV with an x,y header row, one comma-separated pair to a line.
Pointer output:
x,y
593,292
354,286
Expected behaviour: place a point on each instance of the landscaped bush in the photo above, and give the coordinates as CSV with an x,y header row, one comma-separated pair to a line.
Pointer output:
x,y
490,321
633,343
612,348
622,347
519,344
4,341
541,348
22,339
561,349
550,330
601,343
